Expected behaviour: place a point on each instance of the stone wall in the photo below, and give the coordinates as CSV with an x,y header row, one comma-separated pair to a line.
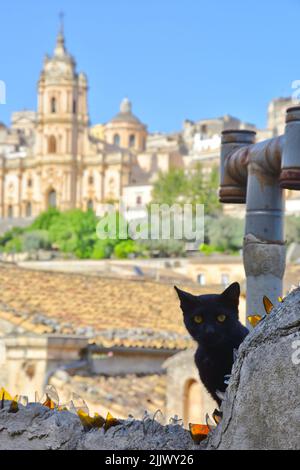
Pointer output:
x,y
38,428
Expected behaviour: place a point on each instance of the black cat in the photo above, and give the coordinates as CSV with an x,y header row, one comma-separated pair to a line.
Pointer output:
x,y
213,321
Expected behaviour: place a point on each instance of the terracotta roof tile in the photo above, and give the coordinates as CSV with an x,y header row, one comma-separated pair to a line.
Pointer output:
x,y
115,312
120,395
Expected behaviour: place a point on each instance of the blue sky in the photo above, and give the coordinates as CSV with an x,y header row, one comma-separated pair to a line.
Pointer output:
x,y
175,59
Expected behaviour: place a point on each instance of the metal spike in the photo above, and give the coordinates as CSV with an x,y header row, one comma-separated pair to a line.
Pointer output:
x,y
209,422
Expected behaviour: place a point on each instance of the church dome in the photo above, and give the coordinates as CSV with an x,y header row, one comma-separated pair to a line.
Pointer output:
x,y
125,114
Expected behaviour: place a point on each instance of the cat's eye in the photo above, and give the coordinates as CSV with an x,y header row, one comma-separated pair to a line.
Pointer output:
x,y
221,318
198,319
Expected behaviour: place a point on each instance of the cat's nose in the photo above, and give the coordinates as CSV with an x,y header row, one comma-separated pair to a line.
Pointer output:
x,y
209,330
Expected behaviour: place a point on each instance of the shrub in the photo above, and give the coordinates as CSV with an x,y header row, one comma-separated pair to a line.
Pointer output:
x,y
103,249
36,240
10,235
209,249
164,248
126,248
14,245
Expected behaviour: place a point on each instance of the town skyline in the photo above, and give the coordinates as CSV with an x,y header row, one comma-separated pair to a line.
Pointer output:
x,y
162,106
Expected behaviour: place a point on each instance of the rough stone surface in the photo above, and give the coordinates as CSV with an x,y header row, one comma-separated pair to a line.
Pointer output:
x,y
35,427
137,435
38,428
262,403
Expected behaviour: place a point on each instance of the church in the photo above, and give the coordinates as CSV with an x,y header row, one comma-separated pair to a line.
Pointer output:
x,y
53,158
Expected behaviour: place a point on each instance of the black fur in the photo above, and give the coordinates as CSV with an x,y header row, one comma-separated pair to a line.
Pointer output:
x,y
216,340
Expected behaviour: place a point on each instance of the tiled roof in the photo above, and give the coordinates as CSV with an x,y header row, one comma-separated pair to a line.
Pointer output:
x,y
120,395
115,311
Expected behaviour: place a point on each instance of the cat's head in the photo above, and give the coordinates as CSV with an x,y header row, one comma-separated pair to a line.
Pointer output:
x,y
210,319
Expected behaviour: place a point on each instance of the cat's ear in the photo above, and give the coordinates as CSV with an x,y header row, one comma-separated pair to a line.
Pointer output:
x,y
232,294
186,299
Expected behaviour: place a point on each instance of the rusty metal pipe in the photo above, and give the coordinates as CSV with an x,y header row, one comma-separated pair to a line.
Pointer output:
x,y
290,173
234,172
255,173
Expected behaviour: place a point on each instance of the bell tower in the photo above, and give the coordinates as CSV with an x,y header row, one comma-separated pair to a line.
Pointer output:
x,y
62,122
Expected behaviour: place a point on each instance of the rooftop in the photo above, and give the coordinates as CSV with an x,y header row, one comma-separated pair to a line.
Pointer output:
x,y
114,312
121,395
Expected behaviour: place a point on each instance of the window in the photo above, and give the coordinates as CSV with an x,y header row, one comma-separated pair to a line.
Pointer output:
x,y
10,212
90,205
117,140
91,180
138,200
52,148
53,105
74,107
225,279
132,141
201,279
28,209
52,198
29,183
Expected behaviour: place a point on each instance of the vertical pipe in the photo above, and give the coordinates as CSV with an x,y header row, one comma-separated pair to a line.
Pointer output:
x,y
264,249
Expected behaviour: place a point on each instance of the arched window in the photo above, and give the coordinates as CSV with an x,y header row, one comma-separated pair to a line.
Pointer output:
x,y
53,105
28,209
52,198
52,147
10,212
117,140
132,141
90,205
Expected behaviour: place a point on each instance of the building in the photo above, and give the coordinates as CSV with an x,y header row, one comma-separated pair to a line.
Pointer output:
x,y
53,158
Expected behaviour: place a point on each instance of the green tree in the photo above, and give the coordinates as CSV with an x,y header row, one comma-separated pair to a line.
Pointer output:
x,y
225,233
193,187
292,229
170,187
45,220
74,232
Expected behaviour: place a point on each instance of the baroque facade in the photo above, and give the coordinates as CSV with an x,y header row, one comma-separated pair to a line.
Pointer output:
x,y
51,158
